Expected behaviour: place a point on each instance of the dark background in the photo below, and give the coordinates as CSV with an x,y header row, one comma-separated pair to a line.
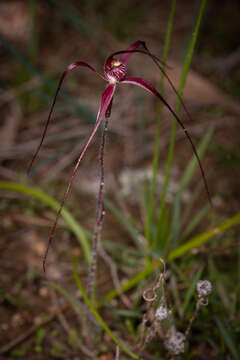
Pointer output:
x,y
38,40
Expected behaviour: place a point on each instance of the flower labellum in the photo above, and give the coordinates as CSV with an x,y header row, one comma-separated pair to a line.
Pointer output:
x,y
114,70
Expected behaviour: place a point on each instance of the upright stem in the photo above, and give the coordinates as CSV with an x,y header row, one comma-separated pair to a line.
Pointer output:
x,y
99,217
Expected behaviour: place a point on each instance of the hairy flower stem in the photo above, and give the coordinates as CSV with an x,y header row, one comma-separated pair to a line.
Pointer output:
x,y
99,217
192,319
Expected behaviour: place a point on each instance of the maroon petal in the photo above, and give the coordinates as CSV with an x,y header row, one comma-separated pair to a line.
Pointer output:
x,y
69,68
147,86
105,102
134,46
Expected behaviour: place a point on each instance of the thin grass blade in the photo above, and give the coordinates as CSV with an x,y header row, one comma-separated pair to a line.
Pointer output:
x,y
195,221
48,200
192,288
127,225
202,238
97,315
33,46
156,154
192,165
73,301
228,339
173,237
186,66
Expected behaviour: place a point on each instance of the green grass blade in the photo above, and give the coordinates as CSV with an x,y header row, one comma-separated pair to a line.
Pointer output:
x,y
219,278
127,225
176,221
33,46
179,273
202,238
48,200
192,288
191,48
193,163
148,270
162,242
195,221
214,345
151,203
21,59
73,301
96,313
186,67
128,313
227,338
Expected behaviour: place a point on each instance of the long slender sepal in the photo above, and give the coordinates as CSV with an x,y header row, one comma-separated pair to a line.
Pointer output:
x,y
69,68
150,88
133,48
160,64
106,100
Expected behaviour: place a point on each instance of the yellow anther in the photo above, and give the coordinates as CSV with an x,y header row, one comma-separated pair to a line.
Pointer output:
x,y
116,63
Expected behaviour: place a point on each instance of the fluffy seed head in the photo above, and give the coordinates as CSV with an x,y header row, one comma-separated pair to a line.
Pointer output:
x,y
161,313
175,343
204,288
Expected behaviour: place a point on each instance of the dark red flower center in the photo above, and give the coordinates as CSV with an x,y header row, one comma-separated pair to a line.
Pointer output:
x,y
114,70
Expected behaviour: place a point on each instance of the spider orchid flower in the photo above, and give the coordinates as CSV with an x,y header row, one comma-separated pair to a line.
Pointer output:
x,y
115,74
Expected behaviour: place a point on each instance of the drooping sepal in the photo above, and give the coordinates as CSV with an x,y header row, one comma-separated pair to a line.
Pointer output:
x,y
105,102
69,68
150,88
